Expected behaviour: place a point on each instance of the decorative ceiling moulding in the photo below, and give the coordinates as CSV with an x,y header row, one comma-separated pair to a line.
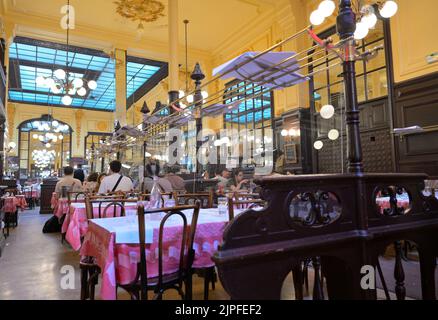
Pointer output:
x,y
140,11
44,35
46,28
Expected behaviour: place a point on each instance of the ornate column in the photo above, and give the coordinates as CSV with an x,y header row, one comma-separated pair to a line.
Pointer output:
x,y
346,26
120,114
198,76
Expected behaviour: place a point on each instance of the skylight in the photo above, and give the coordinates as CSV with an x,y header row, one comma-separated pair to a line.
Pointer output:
x,y
31,58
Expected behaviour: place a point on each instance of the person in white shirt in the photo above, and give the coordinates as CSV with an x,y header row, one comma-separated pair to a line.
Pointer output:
x,y
115,181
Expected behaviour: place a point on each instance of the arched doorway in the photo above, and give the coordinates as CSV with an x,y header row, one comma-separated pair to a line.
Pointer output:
x,y
44,147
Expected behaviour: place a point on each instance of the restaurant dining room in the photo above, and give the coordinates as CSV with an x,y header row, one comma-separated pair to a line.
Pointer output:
x,y
218,150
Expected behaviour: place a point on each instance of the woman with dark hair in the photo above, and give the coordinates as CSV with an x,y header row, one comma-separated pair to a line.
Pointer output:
x,y
237,182
91,184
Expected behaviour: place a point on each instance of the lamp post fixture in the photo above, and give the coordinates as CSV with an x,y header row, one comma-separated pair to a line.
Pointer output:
x,y
144,110
198,76
346,27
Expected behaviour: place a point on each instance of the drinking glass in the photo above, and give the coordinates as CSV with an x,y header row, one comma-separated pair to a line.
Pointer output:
x,y
222,205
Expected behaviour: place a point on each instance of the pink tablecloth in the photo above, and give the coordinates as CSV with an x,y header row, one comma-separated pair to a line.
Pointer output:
x,y
54,201
75,225
35,194
117,253
12,204
384,203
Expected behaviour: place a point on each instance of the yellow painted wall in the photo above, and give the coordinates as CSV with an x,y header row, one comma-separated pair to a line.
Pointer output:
x,y
413,38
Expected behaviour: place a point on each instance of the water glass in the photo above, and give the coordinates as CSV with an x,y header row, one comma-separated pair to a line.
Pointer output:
x,y
222,205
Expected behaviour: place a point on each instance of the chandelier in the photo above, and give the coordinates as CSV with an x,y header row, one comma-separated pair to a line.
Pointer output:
x,y
63,82
51,132
367,13
43,158
141,11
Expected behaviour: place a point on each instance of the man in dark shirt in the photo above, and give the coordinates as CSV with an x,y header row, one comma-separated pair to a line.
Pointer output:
x,y
79,174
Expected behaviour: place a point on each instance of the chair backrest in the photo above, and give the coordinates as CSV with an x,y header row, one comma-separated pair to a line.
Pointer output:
x,y
74,196
103,205
146,196
12,191
206,199
242,204
187,253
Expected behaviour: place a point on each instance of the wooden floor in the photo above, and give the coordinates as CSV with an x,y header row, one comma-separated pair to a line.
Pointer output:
x,y
30,268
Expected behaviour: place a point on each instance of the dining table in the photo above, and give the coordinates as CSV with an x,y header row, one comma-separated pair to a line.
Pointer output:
x,y
75,224
11,206
114,243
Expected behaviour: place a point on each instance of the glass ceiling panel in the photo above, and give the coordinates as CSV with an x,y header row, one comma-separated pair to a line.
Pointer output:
x,y
31,58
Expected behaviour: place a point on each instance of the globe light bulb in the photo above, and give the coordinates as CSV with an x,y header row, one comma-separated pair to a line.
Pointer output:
x,y
284,133
292,132
61,137
66,100
316,18
333,134
92,85
41,138
82,92
389,9
327,112
48,145
49,82
370,20
60,74
55,88
181,94
78,83
190,98
35,136
326,8
40,81
361,31
55,123
318,145
204,94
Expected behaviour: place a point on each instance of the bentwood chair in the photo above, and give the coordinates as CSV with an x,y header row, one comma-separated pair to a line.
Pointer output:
x,y
89,269
243,204
139,288
206,198
207,202
164,195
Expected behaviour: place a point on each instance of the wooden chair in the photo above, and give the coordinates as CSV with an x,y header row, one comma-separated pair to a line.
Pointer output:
x,y
89,269
242,204
139,288
146,196
206,198
74,196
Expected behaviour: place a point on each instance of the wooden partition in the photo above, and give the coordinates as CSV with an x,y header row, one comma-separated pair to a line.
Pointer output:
x,y
344,227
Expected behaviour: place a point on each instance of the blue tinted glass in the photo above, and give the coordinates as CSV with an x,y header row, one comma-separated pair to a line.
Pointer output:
x,y
101,68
